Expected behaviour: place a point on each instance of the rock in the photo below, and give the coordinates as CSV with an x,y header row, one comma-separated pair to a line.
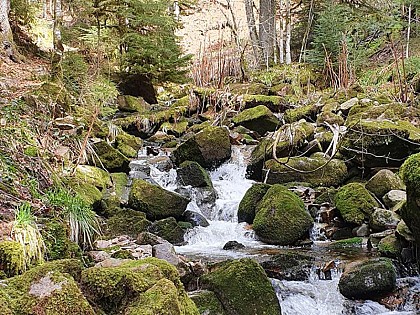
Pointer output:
x,y
93,175
142,251
127,221
307,112
110,262
404,231
281,217
128,103
166,251
250,201
155,201
326,174
382,219
410,173
274,103
177,128
111,159
129,288
127,144
192,174
233,245
207,303
354,203
168,229
242,287
195,218
209,148
347,105
394,197
362,231
368,279
99,256
289,266
91,195
12,258
342,233
390,246
259,119
147,238
384,181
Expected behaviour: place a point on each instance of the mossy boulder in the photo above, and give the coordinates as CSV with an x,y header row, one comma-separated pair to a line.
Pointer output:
x,y
155,201
355,203
93,175
315,170
91,195
128,103
281,217
127,144
368,279
274,103
209,148
410,173
289,266
191,173
111,159
176,128
383,182
259,119
12,260
307,112
390,246
127,222
383,219
208,303
147,286
168,229
250,201
243,288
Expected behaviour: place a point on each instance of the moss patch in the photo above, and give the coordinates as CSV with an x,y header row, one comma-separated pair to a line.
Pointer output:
x,y
259,119
12,260
250,201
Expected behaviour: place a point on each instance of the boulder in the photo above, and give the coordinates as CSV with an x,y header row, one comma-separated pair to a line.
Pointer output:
x,y
355,203
111,159
382,219
233,245
250,201
147,238
127,222
307,112
259,119
368,279
208,303
243,288
155,201
404,231
166,251
209,148
93,175
313,170
128,103
394,197
281,217
195,218
273,102
168,229
289,266
127,144
192,174
390,246
383,182
410,173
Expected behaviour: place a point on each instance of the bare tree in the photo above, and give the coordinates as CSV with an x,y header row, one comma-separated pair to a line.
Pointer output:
x,y
288,32
58,45
267,31
252,26
8,46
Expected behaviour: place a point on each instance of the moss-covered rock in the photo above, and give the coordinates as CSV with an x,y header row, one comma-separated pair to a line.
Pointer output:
x,y
92,175
147,286
307,112
355,203
347,243
191,173
113,196
155,201
209,148
111,159
329,117
128,144
259,119
250,201
12,259
281,217
127,222
243,288
128,103
208,303
390,246
91,195
289,266
274,103
168,229
315,170
368,279
383,182
410,173
176,128
383,219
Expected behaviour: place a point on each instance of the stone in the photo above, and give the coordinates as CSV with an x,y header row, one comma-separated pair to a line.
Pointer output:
x,y
362,231
347,105
289,266
394,197
259,119
111,159
142,251
195,218
147,238
128,103
250,201
368,279
192,174
355,203
209,148
99,256
127,221
207,303
382,219
166,251
404,231
127,144
93,175
390,246
233,245
168,229
307,112
383,182
242,287
281,217
155,201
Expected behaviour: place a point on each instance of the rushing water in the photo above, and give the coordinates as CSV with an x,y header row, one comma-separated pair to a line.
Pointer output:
x,y
312,297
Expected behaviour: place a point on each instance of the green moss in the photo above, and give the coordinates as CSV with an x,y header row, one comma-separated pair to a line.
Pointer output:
x,y
348,242
12,260
177,128
250,201
293,115
329,117
259,119
122,254
384,181
92,175
208,303
111,159
88,192
274,103
410,172
168,229
243,288
191,173
281,217
354,203
127,222
130,103
31,151
127,144
390,246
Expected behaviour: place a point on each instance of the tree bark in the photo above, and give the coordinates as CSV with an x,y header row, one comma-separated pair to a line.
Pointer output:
x,y
56,71
267,30
288,33
256,48
6,36
281,33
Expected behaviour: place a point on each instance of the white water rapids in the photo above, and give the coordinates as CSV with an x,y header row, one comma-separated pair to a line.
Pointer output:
x,y
312,297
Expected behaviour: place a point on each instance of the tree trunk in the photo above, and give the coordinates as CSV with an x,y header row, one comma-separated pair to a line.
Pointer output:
x,y
281,33
56,71
407,49
267,30
7,44
256,48
288,33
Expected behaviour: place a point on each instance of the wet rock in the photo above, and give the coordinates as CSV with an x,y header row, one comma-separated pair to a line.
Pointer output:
x,y
289,266
394,197
99,256
390,246
233,245
250,201
342,233
168,229
192,174
209,148
147,238
166,251
347,105
404,231
383,182
195,218
368,279
382,219
231,282
259,119
362,230
281,217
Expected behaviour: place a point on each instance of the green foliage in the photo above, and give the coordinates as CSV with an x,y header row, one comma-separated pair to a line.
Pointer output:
x,y
74,69
23,11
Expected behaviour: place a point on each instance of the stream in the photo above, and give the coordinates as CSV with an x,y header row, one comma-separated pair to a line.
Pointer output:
x,y
311,297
